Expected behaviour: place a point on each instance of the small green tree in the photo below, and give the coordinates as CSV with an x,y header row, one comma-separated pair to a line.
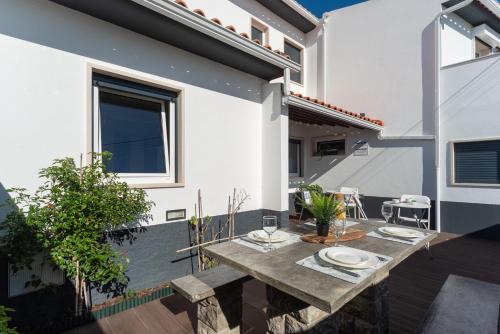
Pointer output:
x,y
69,217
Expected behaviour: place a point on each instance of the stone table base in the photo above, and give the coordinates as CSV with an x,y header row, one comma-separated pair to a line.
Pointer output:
x,y
366,313
221,313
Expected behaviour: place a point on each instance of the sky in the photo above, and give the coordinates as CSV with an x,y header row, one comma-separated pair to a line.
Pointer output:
x,y
318,7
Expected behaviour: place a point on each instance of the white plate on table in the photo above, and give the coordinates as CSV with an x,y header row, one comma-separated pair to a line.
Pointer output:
x,y
348,257
262,236
401,232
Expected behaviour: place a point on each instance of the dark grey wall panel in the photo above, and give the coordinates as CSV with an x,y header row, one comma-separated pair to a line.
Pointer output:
x,y
482,220
153,257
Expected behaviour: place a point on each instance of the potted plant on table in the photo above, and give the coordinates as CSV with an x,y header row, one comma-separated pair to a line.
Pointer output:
x,y
324,208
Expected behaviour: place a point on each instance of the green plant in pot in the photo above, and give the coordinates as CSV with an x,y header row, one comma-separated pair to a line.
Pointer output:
x,y
324,208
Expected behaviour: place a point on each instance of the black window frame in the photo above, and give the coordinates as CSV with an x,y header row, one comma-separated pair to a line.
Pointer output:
x,y
319,142
296,77
300,143
110,84
486,151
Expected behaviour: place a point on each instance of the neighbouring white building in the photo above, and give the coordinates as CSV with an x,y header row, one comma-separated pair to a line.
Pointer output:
x,y
390,96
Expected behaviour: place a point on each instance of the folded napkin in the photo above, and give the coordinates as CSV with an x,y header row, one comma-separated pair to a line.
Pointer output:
x,y
314,262
261,246
414,241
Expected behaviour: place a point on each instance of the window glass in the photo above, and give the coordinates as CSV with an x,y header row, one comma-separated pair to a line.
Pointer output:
x,y
257,34
295,54
294,157
132,129
477,162
330,147
482,49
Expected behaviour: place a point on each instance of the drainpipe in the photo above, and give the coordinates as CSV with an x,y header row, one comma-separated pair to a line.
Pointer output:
x,y
325,62
437,114
286,83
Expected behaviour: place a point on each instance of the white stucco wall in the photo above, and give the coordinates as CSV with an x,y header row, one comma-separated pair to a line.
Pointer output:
x,y
390,169
470,105
457,40
382,64
45,49
384,67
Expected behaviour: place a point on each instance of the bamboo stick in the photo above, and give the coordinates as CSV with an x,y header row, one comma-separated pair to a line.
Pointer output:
x,y
208,243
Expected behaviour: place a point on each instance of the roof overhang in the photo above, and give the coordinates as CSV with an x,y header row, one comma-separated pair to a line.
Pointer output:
x,y
292,12
479,12
488,35
304,111
176,25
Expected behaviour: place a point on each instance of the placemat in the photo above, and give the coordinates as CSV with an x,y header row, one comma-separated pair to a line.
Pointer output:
x,y
261,246
376,234
314,262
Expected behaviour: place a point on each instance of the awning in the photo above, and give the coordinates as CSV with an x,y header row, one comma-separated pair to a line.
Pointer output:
x,y
479,12
188,29
313,111
292,12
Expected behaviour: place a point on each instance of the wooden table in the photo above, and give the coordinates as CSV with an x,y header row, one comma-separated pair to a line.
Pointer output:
x,y
300,298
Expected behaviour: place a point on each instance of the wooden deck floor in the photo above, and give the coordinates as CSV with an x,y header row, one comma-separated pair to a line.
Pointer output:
x,y
413,286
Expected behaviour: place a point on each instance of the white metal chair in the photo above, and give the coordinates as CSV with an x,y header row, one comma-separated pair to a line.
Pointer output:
x,y
306,197
354,202
415,219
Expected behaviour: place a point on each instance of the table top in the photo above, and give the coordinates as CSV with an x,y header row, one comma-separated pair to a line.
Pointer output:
x,y
279,269
413,205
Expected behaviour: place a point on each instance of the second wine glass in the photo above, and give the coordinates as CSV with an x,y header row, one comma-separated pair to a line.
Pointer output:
x,y
338,226
269,225
386,212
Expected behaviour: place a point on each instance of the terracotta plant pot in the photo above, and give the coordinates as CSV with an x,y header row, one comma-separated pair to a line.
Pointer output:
x,y
322,229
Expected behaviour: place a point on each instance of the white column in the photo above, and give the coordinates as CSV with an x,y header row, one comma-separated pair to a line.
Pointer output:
x,y
274,149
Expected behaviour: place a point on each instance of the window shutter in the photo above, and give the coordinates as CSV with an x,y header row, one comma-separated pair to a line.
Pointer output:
x,y
477,162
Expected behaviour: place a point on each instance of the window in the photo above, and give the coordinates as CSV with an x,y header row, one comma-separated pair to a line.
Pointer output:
x,y
295,54
476,162
295,157
482,49
259,32
329,147
136,123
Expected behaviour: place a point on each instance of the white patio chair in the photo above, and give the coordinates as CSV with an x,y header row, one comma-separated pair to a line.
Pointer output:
x,y
306,197
354,201
414,219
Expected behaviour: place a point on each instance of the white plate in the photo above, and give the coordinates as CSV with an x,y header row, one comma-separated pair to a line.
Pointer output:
x,y
332,255
347,257
401,232
262,236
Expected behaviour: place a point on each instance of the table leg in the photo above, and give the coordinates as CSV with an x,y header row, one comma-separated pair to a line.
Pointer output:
x,y
221,313
366,313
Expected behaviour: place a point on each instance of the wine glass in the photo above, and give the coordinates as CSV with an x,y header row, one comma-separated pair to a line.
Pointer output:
x,y
387,212
338,229
347,201
269,225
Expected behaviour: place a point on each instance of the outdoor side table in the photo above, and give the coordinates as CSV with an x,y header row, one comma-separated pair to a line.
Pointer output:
x,y
418,209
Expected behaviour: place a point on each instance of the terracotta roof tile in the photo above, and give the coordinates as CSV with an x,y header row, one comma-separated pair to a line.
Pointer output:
x,y
216,20
199,12
232,28
182,3
337,109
